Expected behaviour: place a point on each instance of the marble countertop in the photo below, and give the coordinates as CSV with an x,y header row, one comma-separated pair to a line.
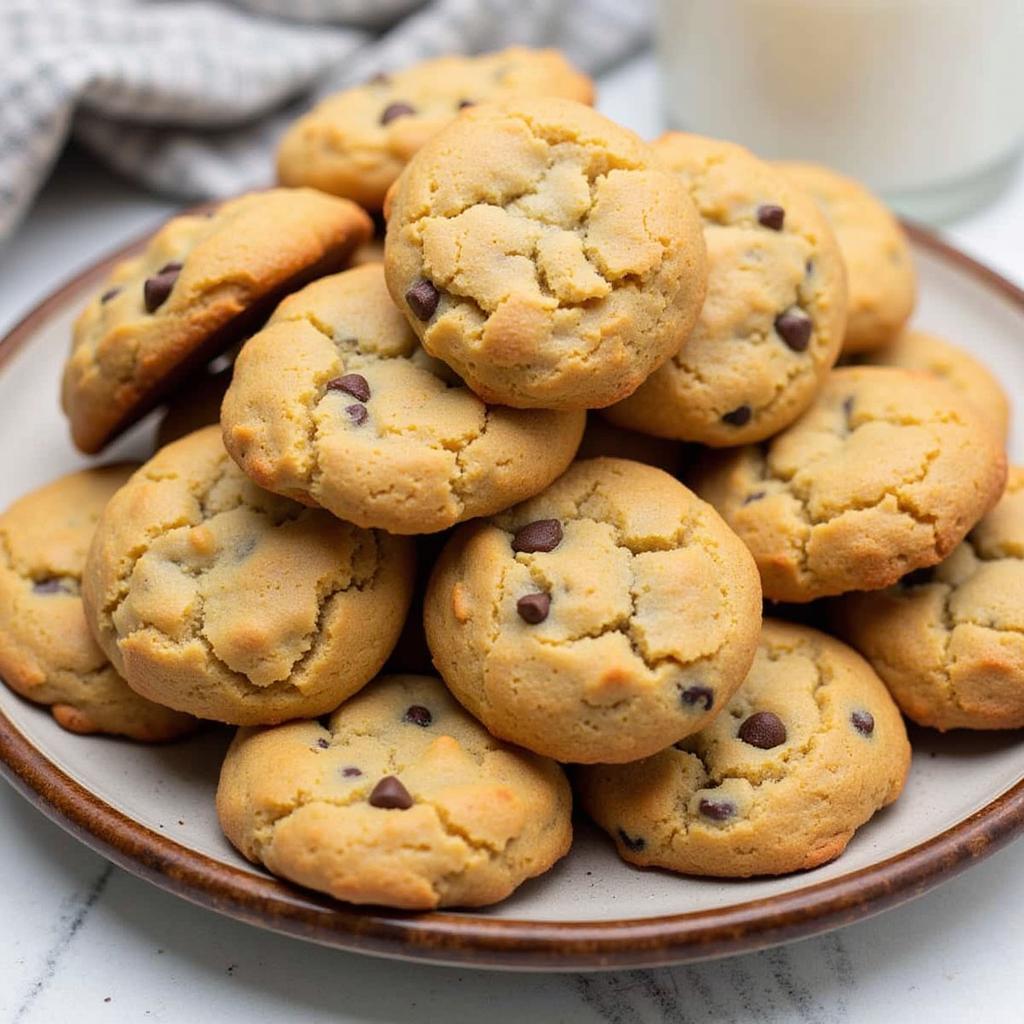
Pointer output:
x,y
85,941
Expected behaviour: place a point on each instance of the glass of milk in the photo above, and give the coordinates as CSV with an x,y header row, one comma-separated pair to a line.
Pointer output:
x,y
923,100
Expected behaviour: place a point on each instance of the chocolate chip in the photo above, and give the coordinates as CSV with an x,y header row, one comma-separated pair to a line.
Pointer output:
x,y
753,496
390,795
771,216
423,298
109,294
354,384
699,694
466,103
379,79
540,535
739,417
323,744
417,714
848,406
159,286
764,730
716,810
50,585
393,110
351,771
156,289
794,328
356,413
863,722
533,608
634,843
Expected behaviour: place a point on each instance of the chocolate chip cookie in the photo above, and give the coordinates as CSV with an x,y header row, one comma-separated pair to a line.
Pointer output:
x,y
604,619
216,597
356,143
201,283
949,641
545,254
47,653
879,264
772,324
884,474
399,798
335,403
807,750
920,350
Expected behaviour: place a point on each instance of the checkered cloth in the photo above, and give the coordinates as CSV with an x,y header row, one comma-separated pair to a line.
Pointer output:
x,y
189,98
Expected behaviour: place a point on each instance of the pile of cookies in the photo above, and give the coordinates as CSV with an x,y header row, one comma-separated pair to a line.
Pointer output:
x,y
564,324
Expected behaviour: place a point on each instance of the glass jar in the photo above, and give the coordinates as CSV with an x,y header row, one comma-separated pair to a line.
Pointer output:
x,y
923,100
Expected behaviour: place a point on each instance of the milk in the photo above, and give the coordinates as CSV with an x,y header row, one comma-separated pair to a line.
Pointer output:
x,y
921,99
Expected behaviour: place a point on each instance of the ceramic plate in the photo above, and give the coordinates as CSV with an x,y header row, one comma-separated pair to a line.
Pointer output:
x,y
150,809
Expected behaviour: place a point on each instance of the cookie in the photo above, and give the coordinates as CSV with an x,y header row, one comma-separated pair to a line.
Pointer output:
x,y
356,143
335,403
949,641
807,750
884,474
879,264
195,404
603,438
399,798
919,350
545,254
218,598
602,620
772,324
47,653
201,283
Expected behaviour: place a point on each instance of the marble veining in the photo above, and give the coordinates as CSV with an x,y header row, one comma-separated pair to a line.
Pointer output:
x,y
68,926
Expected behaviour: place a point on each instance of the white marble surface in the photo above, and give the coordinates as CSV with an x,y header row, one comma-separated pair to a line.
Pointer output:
x,y
83,941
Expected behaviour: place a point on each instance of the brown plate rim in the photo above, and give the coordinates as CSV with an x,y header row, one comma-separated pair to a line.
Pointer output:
x,y
475,941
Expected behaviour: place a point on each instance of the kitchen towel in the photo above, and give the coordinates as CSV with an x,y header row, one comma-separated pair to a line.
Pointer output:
x,y
189,98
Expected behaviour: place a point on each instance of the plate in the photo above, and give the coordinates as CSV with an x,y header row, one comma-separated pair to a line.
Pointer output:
x,y
150,809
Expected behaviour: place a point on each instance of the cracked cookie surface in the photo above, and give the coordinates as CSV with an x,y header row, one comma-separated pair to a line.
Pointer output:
x,y
771,326
884,474
545,254
880,273
919,350
198,286
47,653
356,143
949,641
216,597
807,750
468,821
336,403
602,620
